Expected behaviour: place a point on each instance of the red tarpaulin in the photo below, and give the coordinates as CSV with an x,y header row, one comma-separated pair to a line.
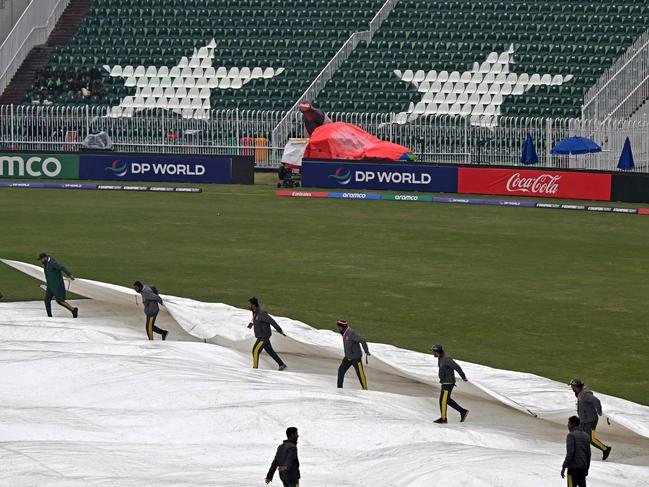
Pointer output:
x,y
346,141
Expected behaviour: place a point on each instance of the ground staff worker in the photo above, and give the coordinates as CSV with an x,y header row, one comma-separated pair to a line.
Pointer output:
x,y
352,343
589,409
151,300
286,461
261,322
55,285
577,454
447,367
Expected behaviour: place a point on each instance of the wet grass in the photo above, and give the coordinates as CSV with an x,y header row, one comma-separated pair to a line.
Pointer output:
x,y
556,293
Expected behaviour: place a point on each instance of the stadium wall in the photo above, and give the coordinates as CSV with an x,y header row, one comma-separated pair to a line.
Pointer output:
x,y
128,167
507,181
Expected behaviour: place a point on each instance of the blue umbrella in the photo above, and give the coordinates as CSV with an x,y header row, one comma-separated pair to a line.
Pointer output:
x,y
528,156
626,158
575,145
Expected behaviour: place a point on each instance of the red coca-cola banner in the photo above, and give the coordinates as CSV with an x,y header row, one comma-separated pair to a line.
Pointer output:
x,y
526,182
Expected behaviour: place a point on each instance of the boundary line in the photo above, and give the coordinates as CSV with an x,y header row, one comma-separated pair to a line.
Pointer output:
x,y
462,201
110,187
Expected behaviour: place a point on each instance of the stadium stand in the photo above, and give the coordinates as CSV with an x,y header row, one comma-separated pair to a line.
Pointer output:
x,y
295,35
558,37
559,49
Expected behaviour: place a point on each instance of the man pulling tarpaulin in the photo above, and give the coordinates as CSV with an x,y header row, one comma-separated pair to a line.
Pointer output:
x,y
313,117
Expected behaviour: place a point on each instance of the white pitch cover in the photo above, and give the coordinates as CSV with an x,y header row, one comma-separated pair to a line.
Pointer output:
x,y
90,401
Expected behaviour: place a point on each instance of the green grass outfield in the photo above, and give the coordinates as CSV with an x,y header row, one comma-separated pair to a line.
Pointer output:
x,y
556,293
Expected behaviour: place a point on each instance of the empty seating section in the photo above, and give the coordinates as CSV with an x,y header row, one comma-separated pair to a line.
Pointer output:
x,y
576,40
296,35
579,38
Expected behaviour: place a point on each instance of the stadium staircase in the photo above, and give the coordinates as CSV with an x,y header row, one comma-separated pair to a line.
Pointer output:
x,y
39,56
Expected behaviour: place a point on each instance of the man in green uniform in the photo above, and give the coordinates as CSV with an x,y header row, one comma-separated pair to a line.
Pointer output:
x,y
55,285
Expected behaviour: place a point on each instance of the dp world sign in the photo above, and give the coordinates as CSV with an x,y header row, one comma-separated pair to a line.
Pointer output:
x,y
392,176
39,166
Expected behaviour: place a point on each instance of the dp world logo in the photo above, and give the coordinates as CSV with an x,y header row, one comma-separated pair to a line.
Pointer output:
x,y
342,178
118,170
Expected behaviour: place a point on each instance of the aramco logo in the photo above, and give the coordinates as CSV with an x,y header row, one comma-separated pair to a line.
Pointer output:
x,y
342,178
118,170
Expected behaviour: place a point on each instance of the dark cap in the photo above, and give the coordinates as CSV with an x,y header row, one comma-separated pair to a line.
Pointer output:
x,y
577,382
41,255
253,301
437,348
342,323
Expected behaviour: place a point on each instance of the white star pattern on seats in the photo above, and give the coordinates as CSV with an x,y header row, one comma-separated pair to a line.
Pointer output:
x,y
185,88
477,93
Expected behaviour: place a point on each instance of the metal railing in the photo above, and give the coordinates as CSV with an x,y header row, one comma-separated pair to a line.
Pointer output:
x,y
281,133
33,28
434,139
623,87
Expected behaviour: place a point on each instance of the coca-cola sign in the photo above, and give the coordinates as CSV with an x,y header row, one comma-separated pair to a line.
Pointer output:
x,y
525,182
545,183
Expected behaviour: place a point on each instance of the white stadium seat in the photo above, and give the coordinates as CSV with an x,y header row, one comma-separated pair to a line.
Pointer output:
x,y
431,76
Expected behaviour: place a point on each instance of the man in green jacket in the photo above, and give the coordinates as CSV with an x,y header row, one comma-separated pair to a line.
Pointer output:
x,y
55,285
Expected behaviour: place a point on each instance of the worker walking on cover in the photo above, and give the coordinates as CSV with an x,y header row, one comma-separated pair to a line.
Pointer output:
x,y
151,299
262,321
577,454
589,409
352,343
55,286
286,461
447,368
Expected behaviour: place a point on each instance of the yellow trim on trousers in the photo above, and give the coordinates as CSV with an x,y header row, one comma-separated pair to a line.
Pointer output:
x,y
66,305
255,354
361,372
595,441
149,326
569,480
444,403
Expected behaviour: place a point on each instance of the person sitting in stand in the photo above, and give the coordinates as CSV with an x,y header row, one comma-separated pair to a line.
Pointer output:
x,y
313,117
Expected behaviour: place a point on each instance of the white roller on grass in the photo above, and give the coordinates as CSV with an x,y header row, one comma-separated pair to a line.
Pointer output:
x,y
90,401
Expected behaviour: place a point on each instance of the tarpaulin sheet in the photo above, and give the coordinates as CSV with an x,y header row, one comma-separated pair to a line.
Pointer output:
x,y
349,142
89,401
